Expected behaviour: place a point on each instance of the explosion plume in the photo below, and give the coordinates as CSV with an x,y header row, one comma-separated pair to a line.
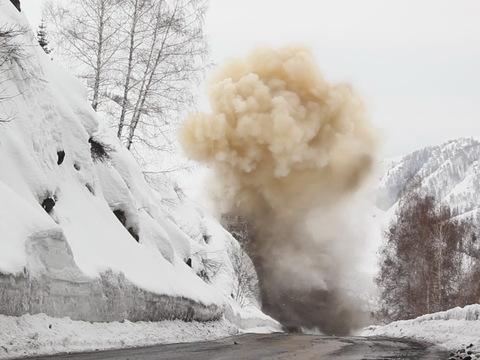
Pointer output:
x,y
289,151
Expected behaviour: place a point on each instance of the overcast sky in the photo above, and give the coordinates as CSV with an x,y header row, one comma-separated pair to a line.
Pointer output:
x,y
416,62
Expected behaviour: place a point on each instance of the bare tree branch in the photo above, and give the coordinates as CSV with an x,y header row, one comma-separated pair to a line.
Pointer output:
x,y
12,53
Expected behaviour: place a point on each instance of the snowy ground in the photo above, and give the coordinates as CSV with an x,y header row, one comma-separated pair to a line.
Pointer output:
x,y
452,329
40,334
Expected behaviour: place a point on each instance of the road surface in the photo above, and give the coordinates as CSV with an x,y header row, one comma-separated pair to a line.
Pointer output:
x,y
272,346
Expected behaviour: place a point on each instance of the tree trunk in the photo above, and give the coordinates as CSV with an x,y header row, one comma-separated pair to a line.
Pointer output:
x,y
143,96
96,85
428,298
126,87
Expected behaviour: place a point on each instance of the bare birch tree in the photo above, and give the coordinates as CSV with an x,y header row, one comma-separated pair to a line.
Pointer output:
x,y
141,59
172,61
87,33
135,12
11,54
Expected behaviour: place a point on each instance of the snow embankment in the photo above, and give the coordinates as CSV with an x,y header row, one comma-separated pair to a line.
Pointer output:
x,y
72,215
452,329
84,235
40,334
250,319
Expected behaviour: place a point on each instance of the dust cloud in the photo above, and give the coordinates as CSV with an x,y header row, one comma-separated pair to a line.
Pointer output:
x,y
291,154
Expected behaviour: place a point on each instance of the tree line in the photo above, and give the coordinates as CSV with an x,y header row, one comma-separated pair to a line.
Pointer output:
x,y
430,260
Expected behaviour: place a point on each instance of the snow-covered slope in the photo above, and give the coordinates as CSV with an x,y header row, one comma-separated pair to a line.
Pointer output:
x,y
86,238
450,171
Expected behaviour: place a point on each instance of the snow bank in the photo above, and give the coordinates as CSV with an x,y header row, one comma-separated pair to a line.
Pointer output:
x,y
79,230
250,319
40,335
469,313
452,329
110,298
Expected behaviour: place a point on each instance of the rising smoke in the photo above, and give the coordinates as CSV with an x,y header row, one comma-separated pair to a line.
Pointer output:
x,y
290,152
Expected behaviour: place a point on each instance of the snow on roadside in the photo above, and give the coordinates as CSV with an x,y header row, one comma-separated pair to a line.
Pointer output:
x,y
250,319
452,329
40,334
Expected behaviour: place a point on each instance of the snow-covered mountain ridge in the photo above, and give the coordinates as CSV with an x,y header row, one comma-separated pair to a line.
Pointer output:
x,y
82,234
450,172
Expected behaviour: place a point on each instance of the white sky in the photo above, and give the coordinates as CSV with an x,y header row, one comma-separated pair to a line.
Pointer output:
x,y
417,62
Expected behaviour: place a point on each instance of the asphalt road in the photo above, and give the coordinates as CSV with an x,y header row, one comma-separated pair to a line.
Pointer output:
x,y
272,346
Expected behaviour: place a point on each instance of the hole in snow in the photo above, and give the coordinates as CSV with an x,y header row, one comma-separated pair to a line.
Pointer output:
x,y
76,166
121,216
48,204
206,238
134,234
60,157
16,3
90,188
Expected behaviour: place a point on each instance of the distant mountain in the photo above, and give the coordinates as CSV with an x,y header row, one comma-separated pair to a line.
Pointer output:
x,y
450,172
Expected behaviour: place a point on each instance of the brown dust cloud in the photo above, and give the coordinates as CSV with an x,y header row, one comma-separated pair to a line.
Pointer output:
x,y
290,152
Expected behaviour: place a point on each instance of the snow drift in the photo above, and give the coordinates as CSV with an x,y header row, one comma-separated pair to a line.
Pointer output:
x,y
452,329
290,152
82,233
35,335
